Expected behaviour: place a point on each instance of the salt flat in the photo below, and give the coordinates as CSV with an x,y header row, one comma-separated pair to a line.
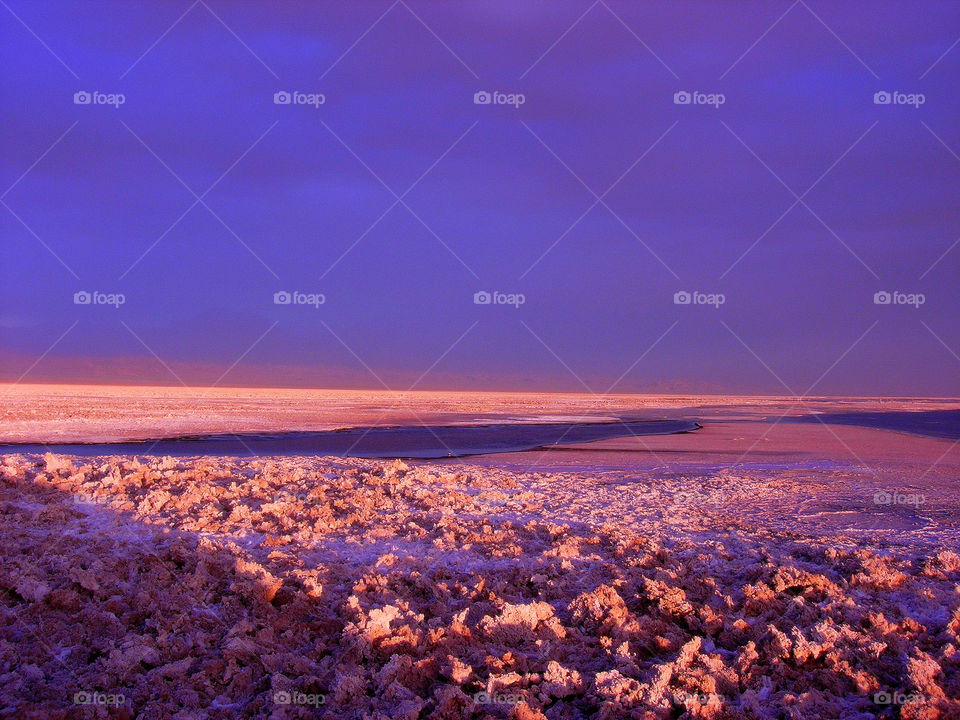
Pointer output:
x,y
755,568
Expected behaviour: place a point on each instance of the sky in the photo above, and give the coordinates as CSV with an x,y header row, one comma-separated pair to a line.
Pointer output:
x,y
711,197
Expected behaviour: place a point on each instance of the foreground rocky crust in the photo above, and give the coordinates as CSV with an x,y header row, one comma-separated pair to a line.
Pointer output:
x,y
305,587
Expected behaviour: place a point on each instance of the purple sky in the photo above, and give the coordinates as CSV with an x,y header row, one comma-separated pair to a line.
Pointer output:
x,y
692,197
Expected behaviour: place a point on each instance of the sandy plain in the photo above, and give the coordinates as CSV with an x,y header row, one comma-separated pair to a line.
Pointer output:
x,y
756,568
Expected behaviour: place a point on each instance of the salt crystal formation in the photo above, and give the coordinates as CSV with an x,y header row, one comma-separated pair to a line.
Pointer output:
x,y
311,587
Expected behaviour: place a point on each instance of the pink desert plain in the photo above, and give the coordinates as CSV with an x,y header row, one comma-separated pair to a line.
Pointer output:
x,y
755,568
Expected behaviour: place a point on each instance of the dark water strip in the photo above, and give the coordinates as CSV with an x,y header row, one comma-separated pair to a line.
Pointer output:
x,y
929,423
414,441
